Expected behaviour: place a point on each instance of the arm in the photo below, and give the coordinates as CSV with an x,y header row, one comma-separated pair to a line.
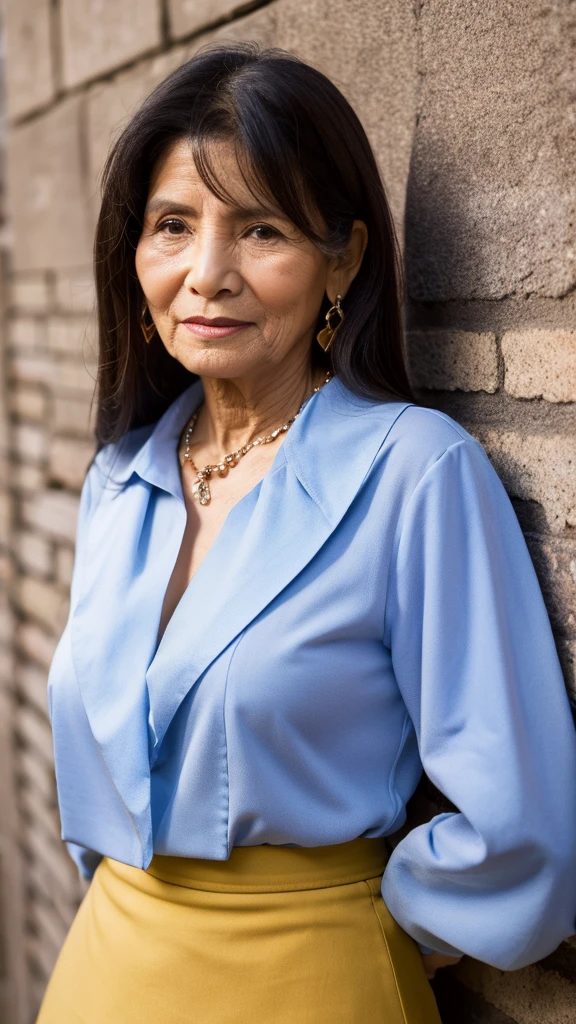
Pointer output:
x,y
475,660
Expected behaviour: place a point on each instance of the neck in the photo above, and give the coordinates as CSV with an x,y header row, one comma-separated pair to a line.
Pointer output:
x,y
235,410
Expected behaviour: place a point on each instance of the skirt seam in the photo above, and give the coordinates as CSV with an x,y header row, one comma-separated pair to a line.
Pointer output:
x,y
390,957
232,888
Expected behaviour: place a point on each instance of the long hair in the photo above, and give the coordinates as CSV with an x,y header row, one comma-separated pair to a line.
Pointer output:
x,y
299,142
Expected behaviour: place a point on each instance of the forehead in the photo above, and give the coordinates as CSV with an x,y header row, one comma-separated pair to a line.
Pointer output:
x,y
176,175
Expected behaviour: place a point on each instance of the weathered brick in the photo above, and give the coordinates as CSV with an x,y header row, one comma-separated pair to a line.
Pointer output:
x,y
29,479
567,654
37,774
555,562
64,565
46,191
34,552
73,415
530,995
74,290
72,335
32,369
540,364
30,442
30,403
188,16
34,731
491,200
536,467
31,683
25,334
69,460
29,293
29,78
33,642
53,512
61,376
99,35
453,360
41,601
110,105
67,376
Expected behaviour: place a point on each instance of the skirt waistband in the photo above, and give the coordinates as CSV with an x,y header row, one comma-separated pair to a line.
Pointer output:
x,y
269,868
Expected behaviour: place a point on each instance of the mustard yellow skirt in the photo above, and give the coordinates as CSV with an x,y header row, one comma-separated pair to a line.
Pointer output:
x,y
273,935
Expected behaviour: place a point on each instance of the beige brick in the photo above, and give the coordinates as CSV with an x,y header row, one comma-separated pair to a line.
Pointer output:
x,y
67,376
74,290
64,565
42,955
188,16
536,467
73,415
46,191
35,732
36,774
32,685
25,334
6,569
110,105
40,813
33,642
69,460
29,72
61,376
29,293
100,35
30,443
31,369
540,364
555,562
528,996
29,403
453,360
34,552
50,928
567,654
54,512
41,601
29,479
72,335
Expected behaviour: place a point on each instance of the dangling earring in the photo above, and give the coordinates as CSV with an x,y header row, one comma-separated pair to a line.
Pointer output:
x,y
147,329
326,335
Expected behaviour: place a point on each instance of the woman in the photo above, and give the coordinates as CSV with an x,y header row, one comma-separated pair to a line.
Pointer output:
x,y
294,589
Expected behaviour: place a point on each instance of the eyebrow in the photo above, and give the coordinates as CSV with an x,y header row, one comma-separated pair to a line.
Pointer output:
x,y
162,204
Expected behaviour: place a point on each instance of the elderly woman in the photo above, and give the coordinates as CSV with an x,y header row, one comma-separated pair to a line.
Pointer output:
x,y
295,590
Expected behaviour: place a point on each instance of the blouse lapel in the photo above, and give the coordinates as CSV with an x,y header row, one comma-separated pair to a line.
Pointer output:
x,y
130,689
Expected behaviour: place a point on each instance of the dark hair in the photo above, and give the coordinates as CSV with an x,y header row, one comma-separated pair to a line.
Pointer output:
x,y
299,142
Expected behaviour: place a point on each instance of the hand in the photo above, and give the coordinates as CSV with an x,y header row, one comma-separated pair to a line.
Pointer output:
x,y
432,961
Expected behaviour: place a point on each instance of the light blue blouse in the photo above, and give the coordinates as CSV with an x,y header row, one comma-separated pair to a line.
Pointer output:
x,y
369,607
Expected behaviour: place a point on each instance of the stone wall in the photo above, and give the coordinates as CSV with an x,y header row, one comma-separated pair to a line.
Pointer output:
x,y
471,110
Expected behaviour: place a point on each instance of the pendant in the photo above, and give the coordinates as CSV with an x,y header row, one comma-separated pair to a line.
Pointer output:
x,y
201,492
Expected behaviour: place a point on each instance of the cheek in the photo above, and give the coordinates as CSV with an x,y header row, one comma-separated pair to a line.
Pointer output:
x,y
159,276
286,283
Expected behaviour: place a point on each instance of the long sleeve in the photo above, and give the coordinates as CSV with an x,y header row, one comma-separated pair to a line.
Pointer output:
x,y
475,660
86,860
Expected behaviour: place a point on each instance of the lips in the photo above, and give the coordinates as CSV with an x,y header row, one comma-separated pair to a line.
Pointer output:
x,y
219,321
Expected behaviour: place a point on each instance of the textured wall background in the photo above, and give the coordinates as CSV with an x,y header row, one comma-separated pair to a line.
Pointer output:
x,y
471,108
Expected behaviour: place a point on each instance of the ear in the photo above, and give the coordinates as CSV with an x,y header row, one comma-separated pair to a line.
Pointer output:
x,y
342,271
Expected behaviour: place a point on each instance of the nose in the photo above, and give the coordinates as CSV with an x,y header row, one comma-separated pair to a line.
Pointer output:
x,y
212,265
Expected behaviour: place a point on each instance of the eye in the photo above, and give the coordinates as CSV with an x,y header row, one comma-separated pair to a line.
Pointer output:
x,y
172,222
266,233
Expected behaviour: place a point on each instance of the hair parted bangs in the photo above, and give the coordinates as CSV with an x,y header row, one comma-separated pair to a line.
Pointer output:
x,y
301,150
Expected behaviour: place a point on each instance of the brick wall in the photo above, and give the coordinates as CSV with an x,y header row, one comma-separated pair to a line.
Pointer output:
x,y
471,110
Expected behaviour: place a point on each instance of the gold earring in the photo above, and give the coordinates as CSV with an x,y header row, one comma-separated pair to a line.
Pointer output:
x,y
326,335
147,329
